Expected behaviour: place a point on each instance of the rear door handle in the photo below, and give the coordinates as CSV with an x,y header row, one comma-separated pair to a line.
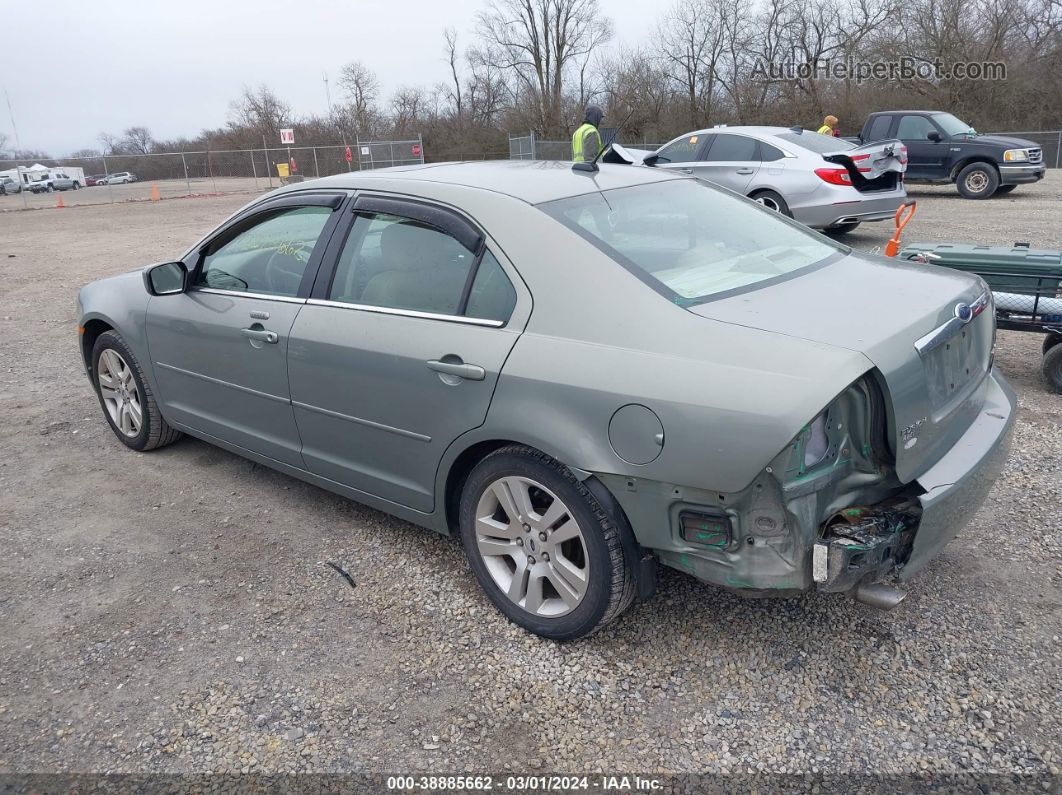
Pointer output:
x,y
261,335
470,372
687,171
744,170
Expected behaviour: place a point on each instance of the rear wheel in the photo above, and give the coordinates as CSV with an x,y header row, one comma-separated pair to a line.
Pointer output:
x,y
1052,368
772,201
1051,340
126,399
977,181
543,548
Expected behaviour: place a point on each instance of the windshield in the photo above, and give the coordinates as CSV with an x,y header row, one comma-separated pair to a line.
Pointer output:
x,y
953,126
690,241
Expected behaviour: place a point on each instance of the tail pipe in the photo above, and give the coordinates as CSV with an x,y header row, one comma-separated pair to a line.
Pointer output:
x,y
878,594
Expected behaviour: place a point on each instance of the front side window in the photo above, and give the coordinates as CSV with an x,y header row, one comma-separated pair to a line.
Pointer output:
x,y
394,262
270,257
690,241
953,126
915,128
681,151
879,128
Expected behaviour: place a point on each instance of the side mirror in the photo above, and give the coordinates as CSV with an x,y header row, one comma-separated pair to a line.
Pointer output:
x,y
167,278
934,136
651,160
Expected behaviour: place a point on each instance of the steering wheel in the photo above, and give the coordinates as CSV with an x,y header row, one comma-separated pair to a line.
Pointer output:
x,y
285,267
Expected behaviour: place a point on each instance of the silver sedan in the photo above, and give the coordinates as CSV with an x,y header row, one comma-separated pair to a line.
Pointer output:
x,y
821,181
583,374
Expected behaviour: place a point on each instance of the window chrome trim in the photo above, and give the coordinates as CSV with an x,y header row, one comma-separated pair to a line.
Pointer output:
x,y
386,310
244,294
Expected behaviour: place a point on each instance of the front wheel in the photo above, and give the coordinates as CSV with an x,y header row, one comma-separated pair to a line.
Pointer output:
x,y
126,399
547,553
977,181
772,201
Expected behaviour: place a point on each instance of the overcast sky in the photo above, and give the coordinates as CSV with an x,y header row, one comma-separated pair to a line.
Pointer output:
x,y
74,69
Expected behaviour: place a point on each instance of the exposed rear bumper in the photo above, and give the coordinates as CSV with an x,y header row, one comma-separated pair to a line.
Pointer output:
x,y
1019,175
868,207
957,484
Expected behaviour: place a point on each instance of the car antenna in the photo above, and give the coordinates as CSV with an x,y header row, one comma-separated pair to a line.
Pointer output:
x,y
592,167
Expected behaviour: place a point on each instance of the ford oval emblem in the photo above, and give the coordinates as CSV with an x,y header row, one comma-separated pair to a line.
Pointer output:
x,y
964,312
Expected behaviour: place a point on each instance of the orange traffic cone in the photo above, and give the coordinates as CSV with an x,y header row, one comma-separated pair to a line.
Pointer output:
x,y
155,192
59,202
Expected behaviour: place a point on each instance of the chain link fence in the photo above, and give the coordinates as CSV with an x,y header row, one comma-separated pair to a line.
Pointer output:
x,y
145,177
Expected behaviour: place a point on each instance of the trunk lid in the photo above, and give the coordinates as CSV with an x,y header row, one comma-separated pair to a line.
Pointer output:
x,y
874,166
933,362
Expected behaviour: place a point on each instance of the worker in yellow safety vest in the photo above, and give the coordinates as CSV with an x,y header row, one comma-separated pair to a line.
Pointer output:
x,y
829,124
586,142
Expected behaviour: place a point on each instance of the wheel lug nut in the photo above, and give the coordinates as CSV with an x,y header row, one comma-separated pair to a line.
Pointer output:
x,y
541,536
545,556
519,542
530,560
527,528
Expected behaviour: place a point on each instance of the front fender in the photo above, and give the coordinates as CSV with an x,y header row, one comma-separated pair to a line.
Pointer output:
x,y
119,302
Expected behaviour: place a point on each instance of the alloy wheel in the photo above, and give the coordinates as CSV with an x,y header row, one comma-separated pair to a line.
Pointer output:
x,y
121,398
768,202
532,546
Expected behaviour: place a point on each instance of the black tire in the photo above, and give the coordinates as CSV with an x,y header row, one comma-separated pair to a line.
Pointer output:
x,y
1052,368
1051,340
977,181
610,587
76,186
1003,190
772,201
154,431
841,229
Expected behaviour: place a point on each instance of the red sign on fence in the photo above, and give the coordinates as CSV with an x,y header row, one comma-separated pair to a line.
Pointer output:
x,y
347,155
416,150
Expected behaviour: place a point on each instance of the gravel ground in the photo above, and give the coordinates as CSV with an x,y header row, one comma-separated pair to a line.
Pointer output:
x,y
172,611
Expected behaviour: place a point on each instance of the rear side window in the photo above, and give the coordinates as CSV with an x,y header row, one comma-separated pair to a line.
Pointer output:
x,y
681,151
813,142
394,262
768,153
879,129
727,147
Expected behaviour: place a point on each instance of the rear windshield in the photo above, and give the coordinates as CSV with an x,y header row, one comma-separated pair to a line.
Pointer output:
x,y
690,241
812,141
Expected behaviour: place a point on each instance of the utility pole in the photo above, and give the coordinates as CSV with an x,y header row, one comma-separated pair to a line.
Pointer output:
x,y
11,113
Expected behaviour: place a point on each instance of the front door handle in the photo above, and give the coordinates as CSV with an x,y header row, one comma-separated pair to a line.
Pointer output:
x,y
744,171
261,335
470,372
687,170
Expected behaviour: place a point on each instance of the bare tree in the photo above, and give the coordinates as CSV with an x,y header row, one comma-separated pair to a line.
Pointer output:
x,y
362,89
452,59
691,42
260,110
111,144
540,42
138,140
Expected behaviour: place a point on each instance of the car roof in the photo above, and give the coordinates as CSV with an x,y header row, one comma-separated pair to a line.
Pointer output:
x,y
532,181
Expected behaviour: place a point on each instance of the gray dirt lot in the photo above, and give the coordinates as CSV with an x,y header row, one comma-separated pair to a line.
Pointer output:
x,y
172,610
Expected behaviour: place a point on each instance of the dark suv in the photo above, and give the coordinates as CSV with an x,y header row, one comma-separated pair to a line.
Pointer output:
x,y
941,148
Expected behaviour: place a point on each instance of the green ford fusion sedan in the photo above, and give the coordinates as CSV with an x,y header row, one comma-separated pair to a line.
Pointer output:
x,y
583,374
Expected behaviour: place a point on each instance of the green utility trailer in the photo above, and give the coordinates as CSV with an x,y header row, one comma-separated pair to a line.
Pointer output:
x,y
1025,284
